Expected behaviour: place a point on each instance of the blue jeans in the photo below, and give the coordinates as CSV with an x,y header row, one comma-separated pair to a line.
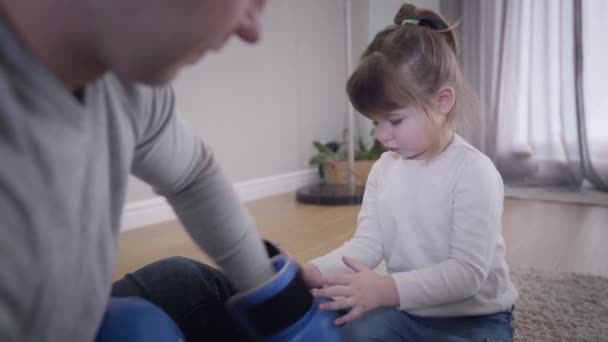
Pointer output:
x,y
191,293
392,325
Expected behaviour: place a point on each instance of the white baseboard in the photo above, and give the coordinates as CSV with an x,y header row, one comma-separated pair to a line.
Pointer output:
x,y
138,214
263,187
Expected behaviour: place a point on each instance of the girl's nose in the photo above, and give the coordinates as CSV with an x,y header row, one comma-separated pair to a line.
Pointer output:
x,y
382,133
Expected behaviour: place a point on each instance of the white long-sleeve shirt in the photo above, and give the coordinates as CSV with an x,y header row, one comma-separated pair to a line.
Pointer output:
x,y
437,225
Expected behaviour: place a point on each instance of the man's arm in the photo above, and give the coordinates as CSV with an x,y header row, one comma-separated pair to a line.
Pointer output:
x,y
171,158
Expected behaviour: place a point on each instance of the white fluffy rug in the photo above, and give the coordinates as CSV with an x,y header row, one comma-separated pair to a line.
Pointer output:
x,y
560,307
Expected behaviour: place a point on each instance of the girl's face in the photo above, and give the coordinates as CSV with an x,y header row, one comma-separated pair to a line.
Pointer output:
x,y
404,131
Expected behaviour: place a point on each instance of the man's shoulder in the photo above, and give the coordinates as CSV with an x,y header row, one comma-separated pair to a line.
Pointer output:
x,y
143,103
128,92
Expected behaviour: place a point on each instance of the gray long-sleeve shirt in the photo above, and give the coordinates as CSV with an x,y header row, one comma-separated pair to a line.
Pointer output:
x,y
63,176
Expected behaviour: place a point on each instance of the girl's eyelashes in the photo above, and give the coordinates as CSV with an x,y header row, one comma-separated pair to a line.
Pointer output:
x,y
393,122
396,122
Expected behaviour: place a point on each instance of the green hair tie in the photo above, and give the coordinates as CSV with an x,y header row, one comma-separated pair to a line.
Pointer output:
x,y
410,21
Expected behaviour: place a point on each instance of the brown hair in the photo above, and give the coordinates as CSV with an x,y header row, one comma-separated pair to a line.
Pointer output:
x,y
405,65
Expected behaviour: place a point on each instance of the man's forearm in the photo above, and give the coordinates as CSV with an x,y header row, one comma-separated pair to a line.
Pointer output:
x,y
216,219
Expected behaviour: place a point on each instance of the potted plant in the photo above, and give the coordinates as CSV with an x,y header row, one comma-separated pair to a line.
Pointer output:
x,y
331,158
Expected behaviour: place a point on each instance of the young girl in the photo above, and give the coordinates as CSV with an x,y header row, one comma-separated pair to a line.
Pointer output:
x,y
432,206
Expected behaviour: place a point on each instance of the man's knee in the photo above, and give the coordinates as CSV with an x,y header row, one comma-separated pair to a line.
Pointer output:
x,y
178,285
177,271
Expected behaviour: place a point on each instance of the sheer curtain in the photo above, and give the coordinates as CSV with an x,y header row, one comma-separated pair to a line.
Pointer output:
x,y
594,73
537,69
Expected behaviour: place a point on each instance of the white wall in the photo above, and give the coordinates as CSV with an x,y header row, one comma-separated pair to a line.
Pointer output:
x,y
260,107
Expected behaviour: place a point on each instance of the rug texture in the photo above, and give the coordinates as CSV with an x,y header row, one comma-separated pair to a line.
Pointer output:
x,y
560,307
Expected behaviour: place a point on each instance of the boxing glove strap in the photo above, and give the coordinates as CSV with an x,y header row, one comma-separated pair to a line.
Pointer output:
x,y
283,309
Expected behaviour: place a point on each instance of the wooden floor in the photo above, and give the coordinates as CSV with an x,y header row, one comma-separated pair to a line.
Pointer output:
x,y
546,236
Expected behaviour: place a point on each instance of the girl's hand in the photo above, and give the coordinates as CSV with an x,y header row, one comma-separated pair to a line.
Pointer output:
x,y
360,292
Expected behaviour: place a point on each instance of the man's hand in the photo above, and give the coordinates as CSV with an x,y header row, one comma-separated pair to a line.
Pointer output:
x,y
310,273
360,292
312,276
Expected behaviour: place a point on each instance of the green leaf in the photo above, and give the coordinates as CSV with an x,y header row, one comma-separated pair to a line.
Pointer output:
x,y
362,147
322,148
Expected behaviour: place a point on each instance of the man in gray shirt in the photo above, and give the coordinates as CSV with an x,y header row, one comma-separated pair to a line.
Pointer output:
x,y
83,104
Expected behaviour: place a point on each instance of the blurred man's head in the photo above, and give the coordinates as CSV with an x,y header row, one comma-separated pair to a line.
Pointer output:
x,y
145,41
150,40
